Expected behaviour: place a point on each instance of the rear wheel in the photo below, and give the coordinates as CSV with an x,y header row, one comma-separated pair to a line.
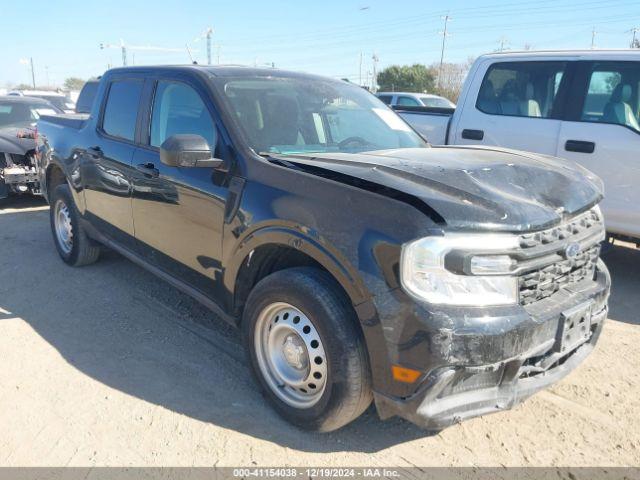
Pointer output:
x,y
71,241
306,349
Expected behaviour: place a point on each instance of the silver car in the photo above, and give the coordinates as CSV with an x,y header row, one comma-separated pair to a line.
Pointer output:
x,y
407,99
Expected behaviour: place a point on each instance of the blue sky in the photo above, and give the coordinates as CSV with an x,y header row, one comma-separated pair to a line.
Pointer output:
x,y
324,37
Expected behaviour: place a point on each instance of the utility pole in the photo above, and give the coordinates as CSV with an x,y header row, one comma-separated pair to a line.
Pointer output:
x,y
29,64
209,32
46,72
360,68
593,38
123,50
446,19
374,80
634,31
503,41
33,75
124,53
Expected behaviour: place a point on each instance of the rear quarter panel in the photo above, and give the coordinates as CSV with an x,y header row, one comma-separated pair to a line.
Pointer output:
x,y
58,141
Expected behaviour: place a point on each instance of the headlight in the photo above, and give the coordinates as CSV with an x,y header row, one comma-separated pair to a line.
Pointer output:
x,y
423,273
598,211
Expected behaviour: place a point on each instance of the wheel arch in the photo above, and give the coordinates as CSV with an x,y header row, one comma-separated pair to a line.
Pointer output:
x,y
54,176
271,249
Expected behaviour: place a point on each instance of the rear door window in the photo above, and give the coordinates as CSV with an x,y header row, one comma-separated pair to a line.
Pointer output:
x,y
408,102
437,102
521,89
612,95
121,109
386,99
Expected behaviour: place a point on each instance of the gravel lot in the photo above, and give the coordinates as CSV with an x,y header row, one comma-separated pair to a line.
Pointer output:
x,y
107,365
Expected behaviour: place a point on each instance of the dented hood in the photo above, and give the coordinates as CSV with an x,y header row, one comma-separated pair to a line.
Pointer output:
x,y
477,188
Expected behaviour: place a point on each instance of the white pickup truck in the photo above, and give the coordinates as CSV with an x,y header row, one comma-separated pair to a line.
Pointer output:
x,y
580,105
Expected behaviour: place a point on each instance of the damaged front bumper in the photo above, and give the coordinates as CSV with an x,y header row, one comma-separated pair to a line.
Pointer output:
x,y
18,162
18,180
553,336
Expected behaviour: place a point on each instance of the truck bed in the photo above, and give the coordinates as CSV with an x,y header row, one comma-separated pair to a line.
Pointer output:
x,y
70,120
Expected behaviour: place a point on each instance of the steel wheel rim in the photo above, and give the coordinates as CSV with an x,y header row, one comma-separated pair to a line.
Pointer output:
x,y
63,227
290,355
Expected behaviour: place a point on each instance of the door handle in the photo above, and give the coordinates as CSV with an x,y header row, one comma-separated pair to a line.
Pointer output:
x,y
148,169
579,146
473,134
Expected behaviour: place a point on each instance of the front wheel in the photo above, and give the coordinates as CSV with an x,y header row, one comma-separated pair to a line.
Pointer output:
x,y
306,349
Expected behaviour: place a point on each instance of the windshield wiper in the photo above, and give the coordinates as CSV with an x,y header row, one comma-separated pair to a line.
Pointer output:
x,y
277,158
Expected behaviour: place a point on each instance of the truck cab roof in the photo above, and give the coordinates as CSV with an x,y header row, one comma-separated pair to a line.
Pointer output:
x,y
587,54
218,71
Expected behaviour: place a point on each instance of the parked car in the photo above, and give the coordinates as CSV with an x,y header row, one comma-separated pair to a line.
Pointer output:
x,y
579,105
407,99
18,168
359,262
60,100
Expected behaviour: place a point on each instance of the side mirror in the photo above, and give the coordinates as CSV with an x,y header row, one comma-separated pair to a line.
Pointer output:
x,y
187,150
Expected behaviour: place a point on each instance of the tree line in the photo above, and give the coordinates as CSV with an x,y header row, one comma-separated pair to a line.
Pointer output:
x,y
418,78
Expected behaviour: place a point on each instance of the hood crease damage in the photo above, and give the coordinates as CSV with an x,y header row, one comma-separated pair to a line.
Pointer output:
x,y
466,188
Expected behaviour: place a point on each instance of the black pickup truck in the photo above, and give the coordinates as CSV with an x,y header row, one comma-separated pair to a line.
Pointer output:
x,y
360,263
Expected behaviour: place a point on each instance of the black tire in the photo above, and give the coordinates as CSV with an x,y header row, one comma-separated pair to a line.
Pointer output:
x,y
83,250
347,391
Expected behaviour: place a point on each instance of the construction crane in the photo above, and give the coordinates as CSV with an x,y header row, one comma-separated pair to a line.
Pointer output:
x,y
207,33
124,48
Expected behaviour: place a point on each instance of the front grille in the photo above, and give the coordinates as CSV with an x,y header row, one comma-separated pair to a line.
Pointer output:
x,y
544,265
548,280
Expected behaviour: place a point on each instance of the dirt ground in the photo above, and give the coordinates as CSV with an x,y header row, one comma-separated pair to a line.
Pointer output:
x,y
107,365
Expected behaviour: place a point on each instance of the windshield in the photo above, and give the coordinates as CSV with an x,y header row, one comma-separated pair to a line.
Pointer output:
x,y
439,102
22,114
307,115
58,101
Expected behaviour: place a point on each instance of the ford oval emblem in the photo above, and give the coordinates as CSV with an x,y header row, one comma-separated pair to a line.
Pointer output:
x,y
572,250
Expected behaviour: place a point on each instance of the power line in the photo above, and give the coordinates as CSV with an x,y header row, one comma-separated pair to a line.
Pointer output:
x,y
351,31
124,48
380,39
310,60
